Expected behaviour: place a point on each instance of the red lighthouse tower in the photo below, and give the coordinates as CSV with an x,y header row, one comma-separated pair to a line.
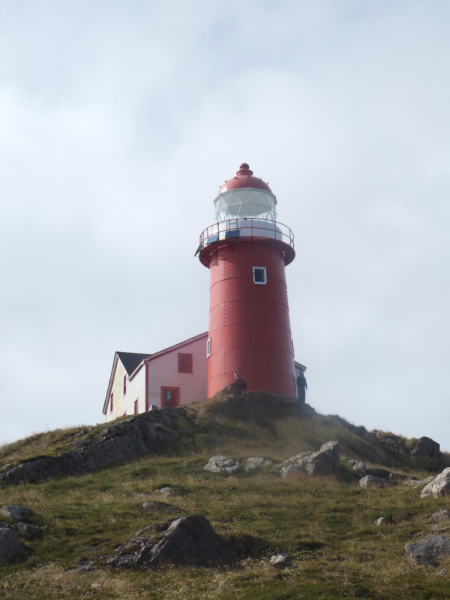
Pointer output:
x,y
246,251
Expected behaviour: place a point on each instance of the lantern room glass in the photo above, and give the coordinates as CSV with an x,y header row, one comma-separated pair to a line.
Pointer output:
x,y
245,203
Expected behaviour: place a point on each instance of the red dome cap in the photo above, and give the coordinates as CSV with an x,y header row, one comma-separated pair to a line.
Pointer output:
x,y
244,179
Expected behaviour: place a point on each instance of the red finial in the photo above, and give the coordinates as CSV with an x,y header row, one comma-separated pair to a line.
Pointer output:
x,y
244,169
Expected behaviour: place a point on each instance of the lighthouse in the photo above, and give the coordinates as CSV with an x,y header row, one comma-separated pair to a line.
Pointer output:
x,y
246,251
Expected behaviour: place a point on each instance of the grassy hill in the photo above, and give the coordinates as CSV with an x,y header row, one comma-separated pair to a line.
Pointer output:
x,y
326,524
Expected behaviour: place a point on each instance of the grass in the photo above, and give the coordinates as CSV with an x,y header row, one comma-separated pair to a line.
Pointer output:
x,y
326,524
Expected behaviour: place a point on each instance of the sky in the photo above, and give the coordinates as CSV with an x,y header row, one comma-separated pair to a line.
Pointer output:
x,y
118,123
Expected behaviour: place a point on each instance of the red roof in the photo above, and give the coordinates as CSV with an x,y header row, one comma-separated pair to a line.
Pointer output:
x,y
244,179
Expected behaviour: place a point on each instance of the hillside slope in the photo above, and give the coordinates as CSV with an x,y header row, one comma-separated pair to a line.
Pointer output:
x,y
325,523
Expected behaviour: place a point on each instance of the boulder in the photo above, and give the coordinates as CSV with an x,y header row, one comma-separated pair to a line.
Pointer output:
x,y
360,468
429,551
378,472
379,521
323,462
440,515
221,464
390,441
426,447
281,560
10,545
185,541
439,486
28,530
254,462
16,512
369,481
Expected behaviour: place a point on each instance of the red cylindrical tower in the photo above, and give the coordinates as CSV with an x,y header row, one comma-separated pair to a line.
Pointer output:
x,y
246,251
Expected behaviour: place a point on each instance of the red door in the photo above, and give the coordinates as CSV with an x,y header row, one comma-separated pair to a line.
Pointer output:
x,y
170,397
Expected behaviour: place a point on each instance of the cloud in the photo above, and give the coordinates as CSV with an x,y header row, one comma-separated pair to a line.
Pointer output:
x,y
119,122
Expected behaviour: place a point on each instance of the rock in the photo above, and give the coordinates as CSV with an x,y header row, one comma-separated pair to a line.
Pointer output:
x,y
424,447
442,572
153,506
440,515
379,521
185,541
390,441
429,551
165,491
360,468
153,407
6,467
369,481
10,545
281,560
254,462
16,512
378,472
221,464
28,530
351,462
439,486
323,462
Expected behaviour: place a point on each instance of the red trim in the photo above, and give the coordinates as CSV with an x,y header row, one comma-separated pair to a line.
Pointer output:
x,y
170,389
136,406
176,347
124,385
146,387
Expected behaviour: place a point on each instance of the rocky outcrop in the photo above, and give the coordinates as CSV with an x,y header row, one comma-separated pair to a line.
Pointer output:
x,y
426,447
10,545
440,486
121,442
185,541
323,462
222,465
429,551
369,481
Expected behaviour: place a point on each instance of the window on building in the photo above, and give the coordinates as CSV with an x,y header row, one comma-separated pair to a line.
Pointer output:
x,y
124,385
259,275
184,363
208,348
136,406
170,397
111,402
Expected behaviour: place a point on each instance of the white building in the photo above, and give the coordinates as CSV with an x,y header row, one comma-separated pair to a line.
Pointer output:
x,y
174,376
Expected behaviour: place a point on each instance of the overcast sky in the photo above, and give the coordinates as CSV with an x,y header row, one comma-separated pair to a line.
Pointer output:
x,y
119,121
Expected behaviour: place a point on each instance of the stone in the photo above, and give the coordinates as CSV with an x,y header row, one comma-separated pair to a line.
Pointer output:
x,y
440,515
165,491
16,512
379,521
153,506
153,407
28,530
390,441
10,545
442,572
429,551
360,468
281,560
254,462
6,467
426,447
222,465
439,486
323,462
369,481
188,541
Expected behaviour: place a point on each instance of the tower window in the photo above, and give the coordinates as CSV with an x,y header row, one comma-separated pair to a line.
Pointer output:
x,y
259,275
184,363
124,385
208,348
